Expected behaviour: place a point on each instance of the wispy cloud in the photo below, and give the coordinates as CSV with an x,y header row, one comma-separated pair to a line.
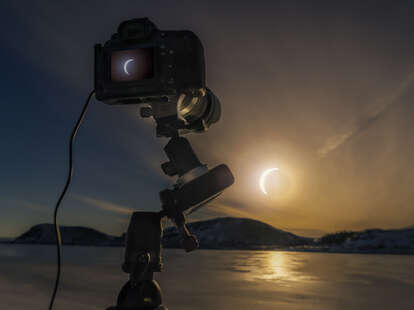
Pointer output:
x,y
378,112
106,205
223,208
31,206
334,142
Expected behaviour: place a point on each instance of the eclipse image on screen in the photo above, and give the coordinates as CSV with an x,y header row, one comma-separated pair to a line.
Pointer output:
x,y
132,65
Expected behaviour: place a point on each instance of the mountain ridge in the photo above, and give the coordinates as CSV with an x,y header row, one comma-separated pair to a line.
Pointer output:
x,y
218,233
235,233
239,233
71,235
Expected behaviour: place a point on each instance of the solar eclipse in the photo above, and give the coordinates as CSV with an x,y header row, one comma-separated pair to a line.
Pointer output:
x,y
132,65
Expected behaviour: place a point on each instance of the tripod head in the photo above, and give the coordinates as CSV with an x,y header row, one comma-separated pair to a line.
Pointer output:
x,y
196,185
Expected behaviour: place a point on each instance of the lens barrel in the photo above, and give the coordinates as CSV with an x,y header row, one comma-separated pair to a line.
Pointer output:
x,y
199,113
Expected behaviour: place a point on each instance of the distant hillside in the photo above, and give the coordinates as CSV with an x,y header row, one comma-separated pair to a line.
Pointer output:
x,y
398,241
220,233
235,233
75,235
240,233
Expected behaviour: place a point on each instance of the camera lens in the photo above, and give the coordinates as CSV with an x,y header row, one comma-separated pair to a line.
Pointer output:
x,y
195,109
132,65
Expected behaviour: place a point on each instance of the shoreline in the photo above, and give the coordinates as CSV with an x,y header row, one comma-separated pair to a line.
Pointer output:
x,y
333,250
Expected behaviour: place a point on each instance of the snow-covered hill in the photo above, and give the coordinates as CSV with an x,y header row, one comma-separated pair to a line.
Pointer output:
x,y
220,233
398,241
240,233
75,235
235,233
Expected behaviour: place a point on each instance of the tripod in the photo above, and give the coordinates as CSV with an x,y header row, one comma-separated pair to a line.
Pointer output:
x,y
196,185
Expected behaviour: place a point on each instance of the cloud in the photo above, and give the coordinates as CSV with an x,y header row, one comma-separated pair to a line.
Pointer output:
x,y
31,206
377,113
225,209
220,208
334,142
106,205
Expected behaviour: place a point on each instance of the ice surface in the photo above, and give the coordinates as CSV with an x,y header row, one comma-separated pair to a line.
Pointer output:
x,y
210,279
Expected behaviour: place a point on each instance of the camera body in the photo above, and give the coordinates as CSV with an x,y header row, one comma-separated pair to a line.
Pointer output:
x,y
142,64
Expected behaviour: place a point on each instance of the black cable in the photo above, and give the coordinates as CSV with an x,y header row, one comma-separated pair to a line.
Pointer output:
x,y
69,178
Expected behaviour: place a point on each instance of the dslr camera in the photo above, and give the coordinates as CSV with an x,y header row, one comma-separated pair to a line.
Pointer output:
x,y
165,70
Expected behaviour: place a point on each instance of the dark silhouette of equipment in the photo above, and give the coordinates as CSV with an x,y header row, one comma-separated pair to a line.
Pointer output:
x,y
164,70
195,186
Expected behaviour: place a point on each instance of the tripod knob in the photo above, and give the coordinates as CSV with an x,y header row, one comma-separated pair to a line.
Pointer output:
x,y
146,112
169,169
190,243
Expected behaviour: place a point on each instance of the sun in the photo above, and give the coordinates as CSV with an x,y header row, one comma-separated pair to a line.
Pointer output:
x,y
262,182
273,182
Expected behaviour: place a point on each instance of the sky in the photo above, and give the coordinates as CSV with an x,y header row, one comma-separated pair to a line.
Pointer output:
x,y
322,90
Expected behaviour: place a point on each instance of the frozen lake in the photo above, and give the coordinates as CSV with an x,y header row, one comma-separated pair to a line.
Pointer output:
x,y
207,279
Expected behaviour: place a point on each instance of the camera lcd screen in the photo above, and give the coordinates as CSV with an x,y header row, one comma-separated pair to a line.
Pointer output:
x,y
132,65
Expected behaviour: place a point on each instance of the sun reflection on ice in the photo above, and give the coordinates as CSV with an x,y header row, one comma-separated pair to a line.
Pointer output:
x,y
275,266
